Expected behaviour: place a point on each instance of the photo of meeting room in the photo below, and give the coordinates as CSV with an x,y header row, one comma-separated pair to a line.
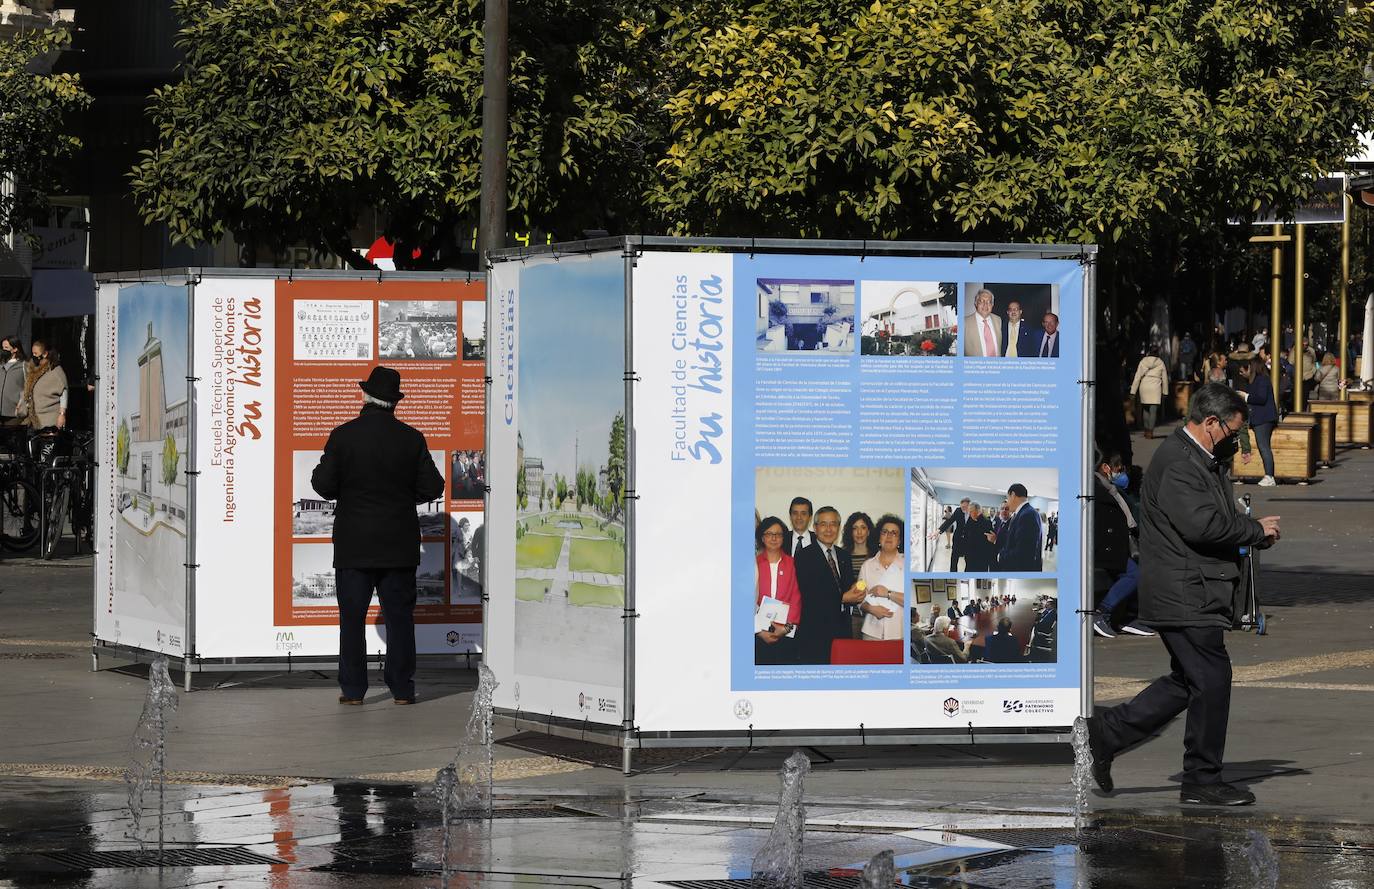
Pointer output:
x,y
1002,620
829,568
417,330
803,315
983,520
1011,320
909,318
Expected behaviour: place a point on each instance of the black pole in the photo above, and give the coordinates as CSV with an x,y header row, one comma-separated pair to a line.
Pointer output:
x,y
495,75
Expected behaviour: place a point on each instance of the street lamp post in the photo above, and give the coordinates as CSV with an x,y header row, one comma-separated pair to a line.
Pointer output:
x,y
1299,316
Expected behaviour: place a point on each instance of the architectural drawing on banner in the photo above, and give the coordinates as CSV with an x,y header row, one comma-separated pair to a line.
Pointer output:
x,y
467,545
433,515
417,330
150,451
474,330
311,515
570,458
999,534
333,330
909,318
801,315
1000,620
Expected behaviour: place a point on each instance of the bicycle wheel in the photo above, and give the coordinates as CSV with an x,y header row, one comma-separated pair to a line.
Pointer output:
x,y
19,514
56,515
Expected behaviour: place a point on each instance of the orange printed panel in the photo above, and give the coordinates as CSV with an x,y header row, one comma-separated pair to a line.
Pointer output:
x,y
333,334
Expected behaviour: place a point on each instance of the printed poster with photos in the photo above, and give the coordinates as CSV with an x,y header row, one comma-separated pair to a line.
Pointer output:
x,y
858,481
434,334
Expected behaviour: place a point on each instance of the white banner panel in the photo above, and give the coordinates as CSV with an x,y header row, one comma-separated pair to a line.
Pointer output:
x,y
795,407
558,404
143,410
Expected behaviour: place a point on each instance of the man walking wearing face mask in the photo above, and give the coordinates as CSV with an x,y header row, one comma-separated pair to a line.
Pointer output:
x,y
1190,592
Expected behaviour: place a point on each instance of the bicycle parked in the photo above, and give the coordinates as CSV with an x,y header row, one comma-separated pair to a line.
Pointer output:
x,y
46,484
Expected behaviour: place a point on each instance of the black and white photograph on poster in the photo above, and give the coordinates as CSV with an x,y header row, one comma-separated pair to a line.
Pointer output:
x,y
984,520
434,514
417,330
332,330
468,475
919,318
805,315
466,546
1011,320
997,620
311,514
430,576
474,330
312,575
830,569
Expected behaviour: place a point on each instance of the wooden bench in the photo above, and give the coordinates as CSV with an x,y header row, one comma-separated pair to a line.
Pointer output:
x,y
1295,450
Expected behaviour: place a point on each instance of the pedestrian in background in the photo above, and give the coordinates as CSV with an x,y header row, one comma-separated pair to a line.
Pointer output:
x,y
1328,379
1253,385
377,469
1150,383
1191,593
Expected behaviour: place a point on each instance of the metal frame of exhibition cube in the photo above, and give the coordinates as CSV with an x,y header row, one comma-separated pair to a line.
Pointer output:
x,y
188,662
625,735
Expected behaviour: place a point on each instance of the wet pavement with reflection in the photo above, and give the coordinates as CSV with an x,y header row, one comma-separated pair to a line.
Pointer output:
x,y
347,834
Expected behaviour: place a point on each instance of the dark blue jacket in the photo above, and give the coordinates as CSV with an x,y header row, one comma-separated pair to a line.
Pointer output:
x,y
1260,397
1027,338
1019,542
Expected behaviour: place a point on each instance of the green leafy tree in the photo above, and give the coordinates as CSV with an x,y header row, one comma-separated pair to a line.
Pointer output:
x,y
171,458
34,106
615,464
521,494
560,489
122,447
1112,121
292,120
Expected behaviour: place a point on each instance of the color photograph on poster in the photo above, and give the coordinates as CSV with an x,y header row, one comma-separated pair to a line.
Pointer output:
x,y
474,330
150,453
333,330
804,315
468,475
829,565
1002,620
570,476
1011,320
990,519
311,514
417,330
466,547
919,318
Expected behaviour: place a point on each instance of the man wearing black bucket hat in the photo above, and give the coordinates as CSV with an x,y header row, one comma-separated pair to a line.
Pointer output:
x,y
377,468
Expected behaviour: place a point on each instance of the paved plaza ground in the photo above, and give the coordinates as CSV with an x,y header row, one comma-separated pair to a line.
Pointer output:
x,y
272,766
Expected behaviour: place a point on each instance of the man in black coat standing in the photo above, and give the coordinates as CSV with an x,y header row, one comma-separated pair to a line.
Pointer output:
x,y
980,552
377,469
958,521
825,578
1190,591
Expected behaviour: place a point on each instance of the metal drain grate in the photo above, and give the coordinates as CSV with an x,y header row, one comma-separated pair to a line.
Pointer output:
x,y
1035,837
530,812
218,856
810,880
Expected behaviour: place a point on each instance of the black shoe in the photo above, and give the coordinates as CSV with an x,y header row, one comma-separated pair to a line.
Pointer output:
x,y
1102,757
1218,794
1102,626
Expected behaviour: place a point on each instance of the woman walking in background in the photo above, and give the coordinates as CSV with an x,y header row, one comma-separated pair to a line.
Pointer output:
x,y
1150,383
1328,378
1264,415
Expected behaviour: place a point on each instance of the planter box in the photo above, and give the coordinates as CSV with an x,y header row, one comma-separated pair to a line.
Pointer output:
x,y
1295,449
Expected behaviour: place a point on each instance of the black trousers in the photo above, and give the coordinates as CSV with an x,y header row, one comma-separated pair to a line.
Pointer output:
x,y
396,589
1200,683
956,553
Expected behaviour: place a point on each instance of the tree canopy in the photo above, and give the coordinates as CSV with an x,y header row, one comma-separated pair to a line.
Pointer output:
x,y
293,120
34,143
